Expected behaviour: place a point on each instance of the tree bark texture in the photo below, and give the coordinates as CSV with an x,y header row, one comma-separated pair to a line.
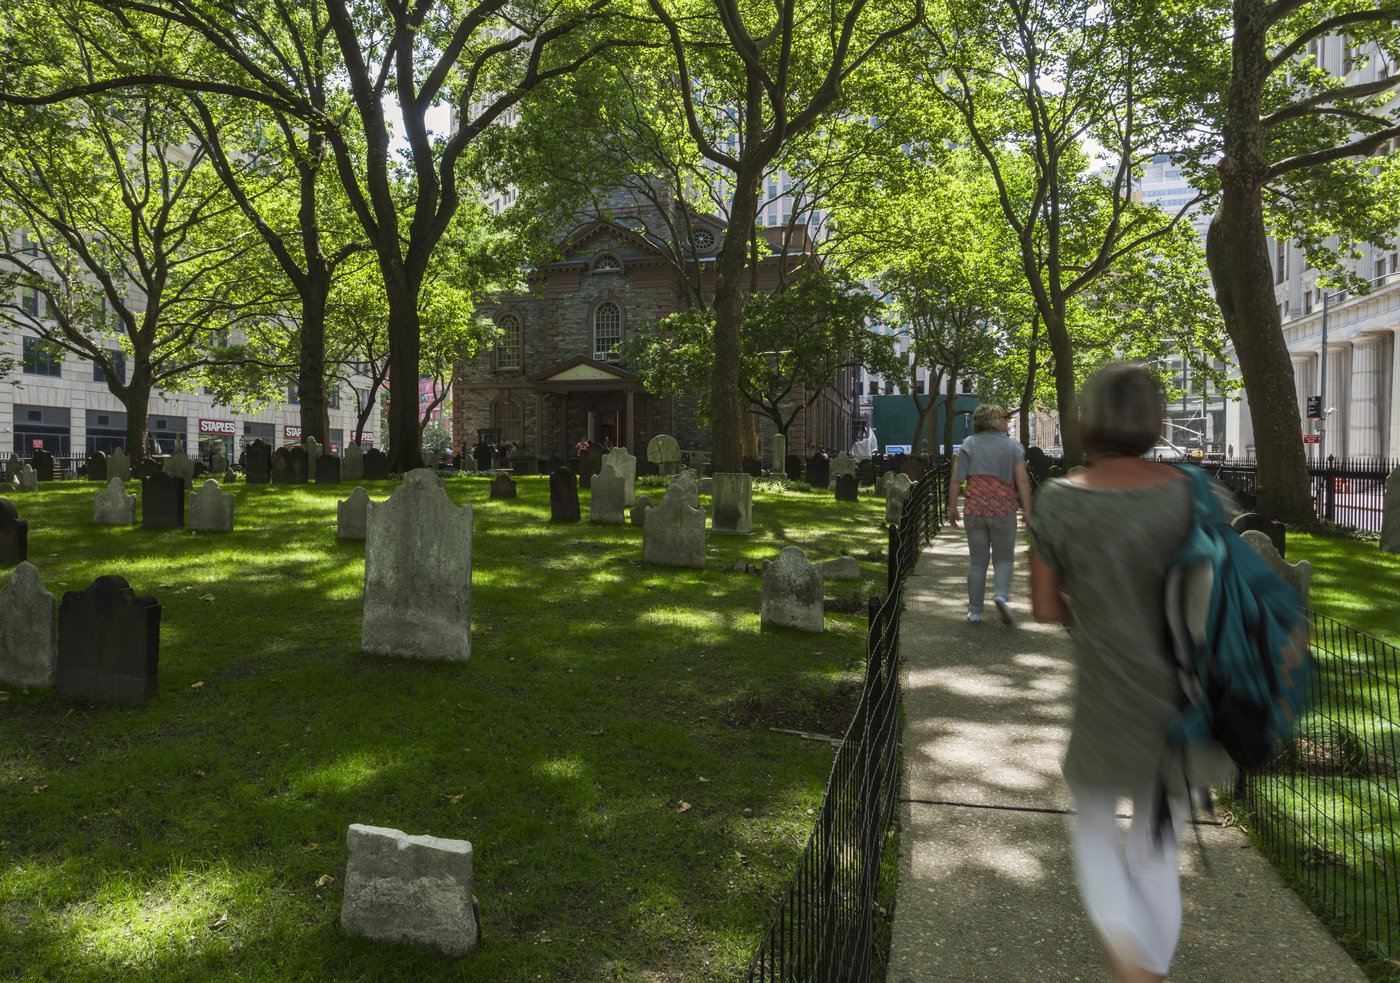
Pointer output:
x,y
727,409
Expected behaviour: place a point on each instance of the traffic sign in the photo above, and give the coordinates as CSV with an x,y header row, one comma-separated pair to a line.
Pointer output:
x,y
1311,438
1314,408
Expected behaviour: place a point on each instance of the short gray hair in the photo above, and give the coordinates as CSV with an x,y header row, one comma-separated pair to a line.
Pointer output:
x,y
986,416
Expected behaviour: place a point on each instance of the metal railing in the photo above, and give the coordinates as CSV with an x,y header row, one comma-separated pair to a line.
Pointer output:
x,y
824,931
1328,811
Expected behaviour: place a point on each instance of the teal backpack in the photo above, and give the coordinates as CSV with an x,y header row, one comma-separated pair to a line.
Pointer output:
x,y
1240,640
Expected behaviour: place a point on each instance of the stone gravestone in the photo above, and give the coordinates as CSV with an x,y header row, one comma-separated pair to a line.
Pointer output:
x,y
688,483
42,463
700,463
793,467
779,451
211,509
418,573
1298,575
1390,514
230,476
257,465
638,514
674,532
792,592
180,466
605,505
1276,531
913,468
97,466
352,515
352,468
12,466
162,502
841,464
28,643
376,466
412,890
114,506
327,469
300,463
563,496
590,462
118,466
148,467
819,470
281,473
847,488
218,461
28,479
622,461
665,454
108,642
312,446
503,486
469,464
898,488
841,568
14,536
731,503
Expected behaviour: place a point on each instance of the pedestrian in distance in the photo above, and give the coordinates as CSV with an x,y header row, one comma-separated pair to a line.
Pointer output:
x,y
993,465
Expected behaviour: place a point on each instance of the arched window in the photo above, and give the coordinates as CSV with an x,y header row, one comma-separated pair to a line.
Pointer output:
x,y
607,330
508,342
508,418
607,263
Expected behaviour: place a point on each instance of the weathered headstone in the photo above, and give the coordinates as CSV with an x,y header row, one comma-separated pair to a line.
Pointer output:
x,y
819,470
563,496
688,483
913,468
312,446
163,502
14,536
108,642
590,462
841,464
376,465
622,461
28,479
503,486
412,890
180,466
42,463
469,464
299,464
665,454
12,465
1299,574
97,466
257,465
847,488
211,509
605,504
731,503
841,568
28,640
281,473
352,468
793,467
119,466
352,515
327,469
418,573
700,463
230,476
1277,533
218,460
149,466
674,532
114,506
792,592
898,488
779,456
638,514
1390,514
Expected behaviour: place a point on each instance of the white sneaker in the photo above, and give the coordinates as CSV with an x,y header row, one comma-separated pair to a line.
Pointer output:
x,y
974,618
1004,609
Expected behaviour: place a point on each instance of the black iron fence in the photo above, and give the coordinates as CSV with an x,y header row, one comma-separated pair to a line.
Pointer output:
x,y
1328,812
825,929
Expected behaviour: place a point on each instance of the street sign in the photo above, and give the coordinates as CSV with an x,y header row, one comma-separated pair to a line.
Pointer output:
x,y
1314,409
1311,438
37,443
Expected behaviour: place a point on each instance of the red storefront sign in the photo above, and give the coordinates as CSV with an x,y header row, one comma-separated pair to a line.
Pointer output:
x,y
218,426
363,437
292,431
1311,438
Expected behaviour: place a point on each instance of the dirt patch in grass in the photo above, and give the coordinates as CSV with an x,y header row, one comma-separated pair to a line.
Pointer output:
x,y
815,712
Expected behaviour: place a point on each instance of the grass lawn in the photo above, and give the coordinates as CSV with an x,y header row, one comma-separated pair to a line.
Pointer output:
x,y
1352,581
608,749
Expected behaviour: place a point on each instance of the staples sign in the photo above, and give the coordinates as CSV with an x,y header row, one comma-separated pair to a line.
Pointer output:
x,y
219,427
364,437
292,431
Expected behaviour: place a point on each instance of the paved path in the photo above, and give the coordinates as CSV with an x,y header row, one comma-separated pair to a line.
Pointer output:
x,y
986,889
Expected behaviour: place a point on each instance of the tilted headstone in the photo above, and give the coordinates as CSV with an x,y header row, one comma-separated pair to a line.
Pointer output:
x,y
847,488
312,446
779,456
28,479
638,514
605,504
503,486
1277,533
590,462
665,454
418,573
211,509
792,592
179,465
1299,574
257,465
841,568
1390,514
841,464
731,503
620,459
42,463
14,536
411,890
674,532
114,506
327,469
898,488
819,470
563,496
689,484
28,636
97,466
352,515
163,502
108,642
376,465
119,466
352,468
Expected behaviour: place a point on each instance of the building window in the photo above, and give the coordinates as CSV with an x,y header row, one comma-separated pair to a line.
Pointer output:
x,y
607,263
40,358
1280,262
874,387
919,386
508,417
703,239
508,342
333,398
118,360
1307,301
29,301
607,330
294,395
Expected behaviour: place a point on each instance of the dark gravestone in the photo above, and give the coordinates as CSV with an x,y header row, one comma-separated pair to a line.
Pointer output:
x,y
97,467
913,468
301,464
327,470
281,467
230,476
376,465
502,486
42,463
590,465
847,488
818,470
526,465
563,496
149,468
108,642
163,501
1253,520
753,466
792,464
258,464
482,454
1037,466
554,464
865,472
199,469
14,535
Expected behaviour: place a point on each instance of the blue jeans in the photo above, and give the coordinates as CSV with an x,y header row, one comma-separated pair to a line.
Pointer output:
x,y
995,536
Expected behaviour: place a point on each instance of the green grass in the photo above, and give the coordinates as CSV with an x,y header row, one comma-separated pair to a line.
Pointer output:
x,y
1352,581
186,839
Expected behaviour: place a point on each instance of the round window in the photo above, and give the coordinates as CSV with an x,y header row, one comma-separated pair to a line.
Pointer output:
x,y
703,239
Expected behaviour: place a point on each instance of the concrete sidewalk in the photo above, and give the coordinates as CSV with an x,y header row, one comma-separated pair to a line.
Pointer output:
x,y
986,888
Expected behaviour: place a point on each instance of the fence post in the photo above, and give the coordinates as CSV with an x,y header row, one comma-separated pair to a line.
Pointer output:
x,y
893,577
1329,490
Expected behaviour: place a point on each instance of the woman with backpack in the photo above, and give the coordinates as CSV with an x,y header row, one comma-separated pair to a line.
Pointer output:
x,y
1104,538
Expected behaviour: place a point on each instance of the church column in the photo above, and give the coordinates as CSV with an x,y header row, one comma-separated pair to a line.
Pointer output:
x,y
1364,408
1338,398
628,436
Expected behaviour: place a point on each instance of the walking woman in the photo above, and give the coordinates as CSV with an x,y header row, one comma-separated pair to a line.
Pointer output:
x,y
993,465
1103,539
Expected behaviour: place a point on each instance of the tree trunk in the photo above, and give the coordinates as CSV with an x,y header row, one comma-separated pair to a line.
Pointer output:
x,y
949,403
311,374
405,344
1028,393
136,400
1066,403
727,409
921,429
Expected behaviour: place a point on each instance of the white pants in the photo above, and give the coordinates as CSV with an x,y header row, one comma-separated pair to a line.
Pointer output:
x,y
1131,889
